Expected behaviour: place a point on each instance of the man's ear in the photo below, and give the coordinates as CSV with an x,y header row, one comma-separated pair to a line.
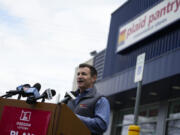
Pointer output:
x,y
94,78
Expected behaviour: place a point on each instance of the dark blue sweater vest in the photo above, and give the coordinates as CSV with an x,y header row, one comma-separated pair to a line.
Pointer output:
x,y
86,105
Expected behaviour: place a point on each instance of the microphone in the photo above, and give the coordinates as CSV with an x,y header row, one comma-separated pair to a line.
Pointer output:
x,y
33,91
47,94
25,91
22,87
37,86
67,97
19,90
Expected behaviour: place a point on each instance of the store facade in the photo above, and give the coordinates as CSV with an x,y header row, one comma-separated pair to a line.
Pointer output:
x,y
151,27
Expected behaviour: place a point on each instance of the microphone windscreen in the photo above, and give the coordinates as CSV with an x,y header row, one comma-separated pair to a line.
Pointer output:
x,y
21,87
27,85
37,86
49,93
70,94
53,92
33,91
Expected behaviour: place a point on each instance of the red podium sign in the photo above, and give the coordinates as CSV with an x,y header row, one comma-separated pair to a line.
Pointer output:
x,y
22,121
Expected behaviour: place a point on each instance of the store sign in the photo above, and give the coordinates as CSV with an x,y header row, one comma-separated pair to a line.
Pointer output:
x,y
21,121
158,17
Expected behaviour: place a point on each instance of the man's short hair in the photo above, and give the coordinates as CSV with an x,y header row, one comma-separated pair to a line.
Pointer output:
x,y
92,69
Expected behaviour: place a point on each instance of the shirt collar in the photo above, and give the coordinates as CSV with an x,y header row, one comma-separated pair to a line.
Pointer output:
x,y
85,91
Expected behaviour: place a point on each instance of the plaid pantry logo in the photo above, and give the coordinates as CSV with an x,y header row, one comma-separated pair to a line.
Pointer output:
x,y
122,37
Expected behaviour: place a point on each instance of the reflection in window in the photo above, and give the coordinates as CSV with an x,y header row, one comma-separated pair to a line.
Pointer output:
x,y
127,120
147,120
173,126
148,128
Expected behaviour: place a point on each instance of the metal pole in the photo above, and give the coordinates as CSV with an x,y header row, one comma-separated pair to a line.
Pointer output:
x,y
19,97
138,97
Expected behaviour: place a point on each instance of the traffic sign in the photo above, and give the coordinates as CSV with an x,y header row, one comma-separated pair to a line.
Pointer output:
x,y
139,67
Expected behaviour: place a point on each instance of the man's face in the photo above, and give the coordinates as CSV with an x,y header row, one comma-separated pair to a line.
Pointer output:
x,y
84,78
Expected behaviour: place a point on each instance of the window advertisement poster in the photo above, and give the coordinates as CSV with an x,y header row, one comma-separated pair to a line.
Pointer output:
x,y
22,121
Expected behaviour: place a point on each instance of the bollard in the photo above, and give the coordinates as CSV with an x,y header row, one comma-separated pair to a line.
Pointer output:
x,y
133,130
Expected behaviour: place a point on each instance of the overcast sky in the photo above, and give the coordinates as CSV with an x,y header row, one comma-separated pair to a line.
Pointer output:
x,y
44,40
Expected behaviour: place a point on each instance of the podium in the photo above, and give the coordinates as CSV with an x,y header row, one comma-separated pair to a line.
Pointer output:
x,y
62,120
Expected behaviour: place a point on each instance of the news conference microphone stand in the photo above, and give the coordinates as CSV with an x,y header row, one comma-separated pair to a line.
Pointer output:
x,y
10,95
19,97
43,100
5,96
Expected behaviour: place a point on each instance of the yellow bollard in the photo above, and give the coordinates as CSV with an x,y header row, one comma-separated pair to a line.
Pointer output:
x,y
133,130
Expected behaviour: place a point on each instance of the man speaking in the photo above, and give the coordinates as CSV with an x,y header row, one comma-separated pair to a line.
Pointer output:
x,y
90,106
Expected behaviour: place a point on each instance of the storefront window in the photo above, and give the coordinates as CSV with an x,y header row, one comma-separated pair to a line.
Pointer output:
x,y
127,120
173,121
122,119
147,121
